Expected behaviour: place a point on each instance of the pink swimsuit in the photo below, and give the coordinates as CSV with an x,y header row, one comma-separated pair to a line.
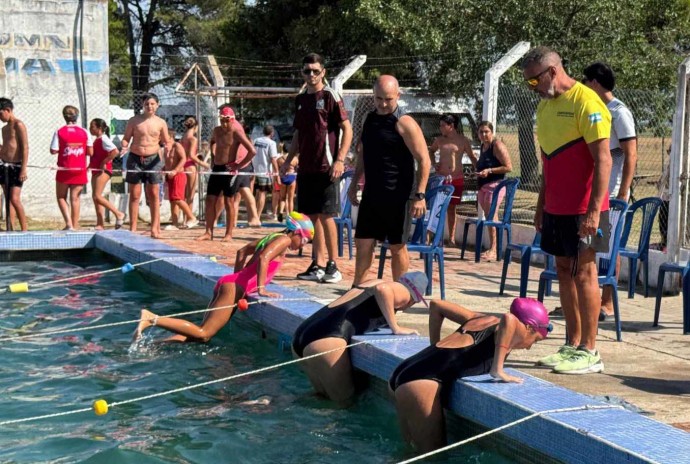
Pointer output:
x,y
247,277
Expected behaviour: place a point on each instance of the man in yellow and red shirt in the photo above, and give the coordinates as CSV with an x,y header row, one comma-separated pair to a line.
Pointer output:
x,y
573,128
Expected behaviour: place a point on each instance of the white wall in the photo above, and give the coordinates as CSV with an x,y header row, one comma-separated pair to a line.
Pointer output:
x,y
37,41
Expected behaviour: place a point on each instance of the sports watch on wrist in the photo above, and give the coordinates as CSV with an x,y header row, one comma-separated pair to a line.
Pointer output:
x,y
418,196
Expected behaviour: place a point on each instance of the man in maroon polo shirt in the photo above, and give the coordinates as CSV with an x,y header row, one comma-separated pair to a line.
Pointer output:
x,y
319,119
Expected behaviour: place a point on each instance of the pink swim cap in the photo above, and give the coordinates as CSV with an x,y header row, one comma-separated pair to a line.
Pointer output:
x,y
533,313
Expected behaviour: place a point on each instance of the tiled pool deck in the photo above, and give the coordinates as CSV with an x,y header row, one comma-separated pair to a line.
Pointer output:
x,y
602,435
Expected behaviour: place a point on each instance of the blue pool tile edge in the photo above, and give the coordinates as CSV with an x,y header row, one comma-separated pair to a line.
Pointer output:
x,y
611,435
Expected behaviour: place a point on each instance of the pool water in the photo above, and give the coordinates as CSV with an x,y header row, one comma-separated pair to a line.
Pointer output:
x,y
271,417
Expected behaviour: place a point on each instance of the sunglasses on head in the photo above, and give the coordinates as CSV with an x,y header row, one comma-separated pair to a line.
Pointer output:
x,y
309,71
533,81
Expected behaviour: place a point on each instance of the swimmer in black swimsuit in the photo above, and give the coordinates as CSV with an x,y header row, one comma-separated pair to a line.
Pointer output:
x,y
362,309
423,382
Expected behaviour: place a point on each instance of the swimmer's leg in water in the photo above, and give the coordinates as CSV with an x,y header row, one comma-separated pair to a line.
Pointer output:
x,y
420,414
227,295
330,374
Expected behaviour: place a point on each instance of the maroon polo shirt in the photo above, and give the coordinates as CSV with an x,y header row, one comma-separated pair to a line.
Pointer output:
x,y
317,118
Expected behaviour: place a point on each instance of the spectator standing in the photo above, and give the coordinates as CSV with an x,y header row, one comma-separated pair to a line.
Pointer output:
x,y
176,180
147,133
191,147
623,145
320,118
101,165
451,146
72,144
14,155
573,128
265,161
390,144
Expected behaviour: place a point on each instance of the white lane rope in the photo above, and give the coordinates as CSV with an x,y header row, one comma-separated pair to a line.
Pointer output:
x,y
106,406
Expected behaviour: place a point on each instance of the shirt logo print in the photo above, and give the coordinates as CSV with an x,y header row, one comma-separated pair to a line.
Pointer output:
x,y
595,118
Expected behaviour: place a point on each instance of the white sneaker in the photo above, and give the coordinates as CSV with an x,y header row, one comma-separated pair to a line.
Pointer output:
x,y
170,227
192,223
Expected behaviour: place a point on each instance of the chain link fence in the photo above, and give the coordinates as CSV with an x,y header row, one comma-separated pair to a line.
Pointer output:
x,y
515,126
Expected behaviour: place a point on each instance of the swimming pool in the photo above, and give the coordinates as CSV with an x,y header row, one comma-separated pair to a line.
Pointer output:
x,y
271,417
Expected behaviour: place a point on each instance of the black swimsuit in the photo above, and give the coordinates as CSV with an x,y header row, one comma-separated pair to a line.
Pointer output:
x,y
445,365
354,317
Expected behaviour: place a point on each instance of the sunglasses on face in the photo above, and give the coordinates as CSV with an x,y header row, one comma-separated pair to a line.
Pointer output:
x,y
309,72
548,327
533,81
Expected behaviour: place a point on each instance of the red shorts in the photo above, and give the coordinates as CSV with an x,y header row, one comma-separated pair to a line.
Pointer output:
x,y
72,177
247,277
176,186
459,184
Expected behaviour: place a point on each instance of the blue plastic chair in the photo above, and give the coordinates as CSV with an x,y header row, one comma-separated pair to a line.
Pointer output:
x,y
649,207
437,202
526,253
684,271
433,182
344,221
510,185
607,263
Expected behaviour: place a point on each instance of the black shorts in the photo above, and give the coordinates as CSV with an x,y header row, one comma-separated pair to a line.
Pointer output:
x,y
241,180
219,184
317,194
13,170
136,164
383,219
559,235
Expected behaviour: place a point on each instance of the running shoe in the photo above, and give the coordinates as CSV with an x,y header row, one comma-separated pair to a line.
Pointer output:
x,y
582,361
552,360
314,272
331,275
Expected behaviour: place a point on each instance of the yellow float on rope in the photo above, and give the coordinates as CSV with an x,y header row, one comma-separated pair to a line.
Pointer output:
x,y
214,259
100,407
19,287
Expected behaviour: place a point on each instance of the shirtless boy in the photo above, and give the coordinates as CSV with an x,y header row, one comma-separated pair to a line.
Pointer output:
x,y
177,181
225,141
451,145
147,133
14,154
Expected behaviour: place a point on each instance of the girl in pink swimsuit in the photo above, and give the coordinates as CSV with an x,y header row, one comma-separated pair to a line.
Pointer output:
x,y
266,257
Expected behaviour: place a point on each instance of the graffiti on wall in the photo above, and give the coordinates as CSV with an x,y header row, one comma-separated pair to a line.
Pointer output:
x,y
23,44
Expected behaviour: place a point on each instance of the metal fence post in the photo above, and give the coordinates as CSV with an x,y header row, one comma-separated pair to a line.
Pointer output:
x,y
677,214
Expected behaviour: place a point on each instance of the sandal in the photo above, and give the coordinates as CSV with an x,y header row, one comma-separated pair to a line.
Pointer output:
x,y
558,311
119,223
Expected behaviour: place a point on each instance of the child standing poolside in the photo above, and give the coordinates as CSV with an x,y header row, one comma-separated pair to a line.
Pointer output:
x,y
14,156
101,165
72,144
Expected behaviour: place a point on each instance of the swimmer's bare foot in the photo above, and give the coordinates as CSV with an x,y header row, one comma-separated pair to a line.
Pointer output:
x,y
68,228
254,224
99,228
147,319
489,255
203,238
227,238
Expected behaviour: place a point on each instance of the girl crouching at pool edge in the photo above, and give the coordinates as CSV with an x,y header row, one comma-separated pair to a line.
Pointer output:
x,y
364,308
422,383
265,258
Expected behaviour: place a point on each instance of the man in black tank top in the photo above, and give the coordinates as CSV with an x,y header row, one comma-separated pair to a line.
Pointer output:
x,y
389,145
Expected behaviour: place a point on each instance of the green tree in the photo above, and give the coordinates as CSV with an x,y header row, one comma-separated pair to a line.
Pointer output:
x,y
120,72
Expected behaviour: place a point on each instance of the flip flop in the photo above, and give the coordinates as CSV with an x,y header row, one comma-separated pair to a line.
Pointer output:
x,y
602,315
119,223
558,311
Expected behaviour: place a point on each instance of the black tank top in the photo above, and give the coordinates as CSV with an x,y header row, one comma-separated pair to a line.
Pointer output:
x,y
388,163
487,160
